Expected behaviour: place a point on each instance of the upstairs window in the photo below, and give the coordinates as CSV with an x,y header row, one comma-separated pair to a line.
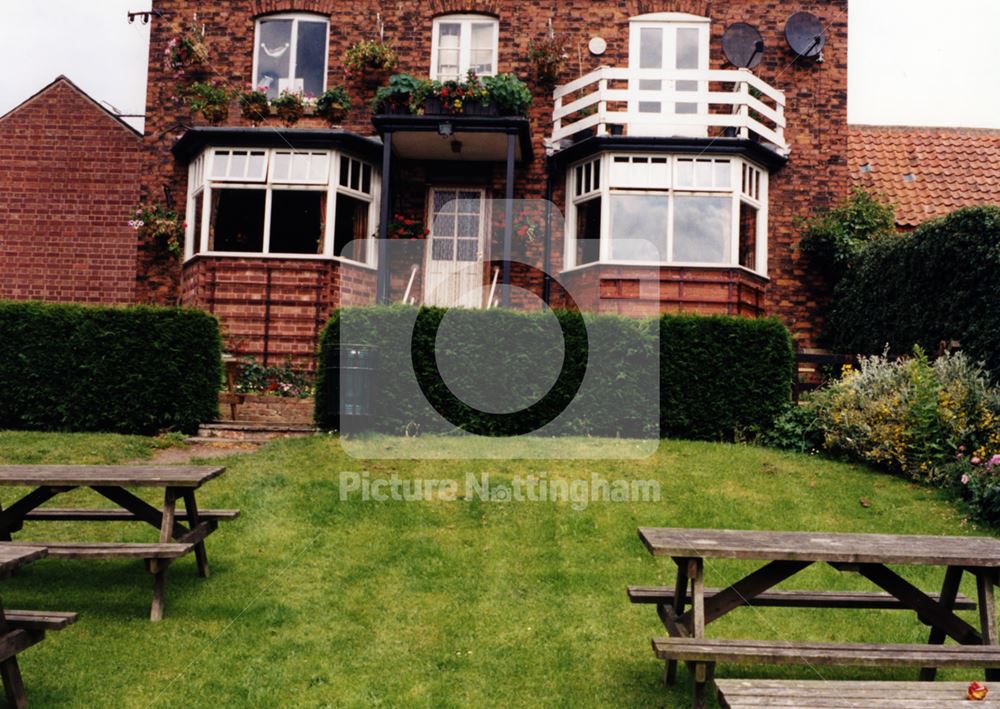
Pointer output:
x,y
464,42
290,54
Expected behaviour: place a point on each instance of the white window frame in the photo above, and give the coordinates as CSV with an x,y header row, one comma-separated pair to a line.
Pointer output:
x,y
294,40
465,42
201,183
735,191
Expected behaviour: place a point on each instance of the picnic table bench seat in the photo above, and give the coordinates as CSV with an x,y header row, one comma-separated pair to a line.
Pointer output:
x,y
781,652
116,550
822,694
73,514
39,620
798,599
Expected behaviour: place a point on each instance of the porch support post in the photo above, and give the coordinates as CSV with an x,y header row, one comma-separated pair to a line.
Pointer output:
x,y
508,231
382,283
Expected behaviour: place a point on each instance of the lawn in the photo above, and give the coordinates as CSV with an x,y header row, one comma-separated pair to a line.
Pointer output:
x,y
314,602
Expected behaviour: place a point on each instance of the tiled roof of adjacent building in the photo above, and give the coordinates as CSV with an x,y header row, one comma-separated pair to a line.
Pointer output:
x,y
926,172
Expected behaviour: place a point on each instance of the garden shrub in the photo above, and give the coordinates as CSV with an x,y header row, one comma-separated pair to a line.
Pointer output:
x,y
718,375
909,416
834,238
124,370
938,283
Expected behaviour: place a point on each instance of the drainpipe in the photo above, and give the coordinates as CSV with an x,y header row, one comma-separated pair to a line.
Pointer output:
x,y
547,244
508,222
382,281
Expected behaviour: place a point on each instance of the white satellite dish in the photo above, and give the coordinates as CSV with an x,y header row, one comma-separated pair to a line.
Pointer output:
x,y
597,45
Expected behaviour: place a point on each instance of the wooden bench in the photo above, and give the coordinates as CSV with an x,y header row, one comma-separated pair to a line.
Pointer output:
x,y
71,514
116,550
39,620
822,694
704,653
798,599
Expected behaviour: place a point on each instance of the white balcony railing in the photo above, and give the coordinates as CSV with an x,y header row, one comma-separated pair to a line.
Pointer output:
x,y
655,102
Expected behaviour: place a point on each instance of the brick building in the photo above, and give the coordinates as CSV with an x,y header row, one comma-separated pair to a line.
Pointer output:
x,y
676,180
68,182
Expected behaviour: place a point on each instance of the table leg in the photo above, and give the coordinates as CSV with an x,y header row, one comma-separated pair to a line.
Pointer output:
x,y
702,675
158,567
985,580
949,590
13,686
680,600
193,521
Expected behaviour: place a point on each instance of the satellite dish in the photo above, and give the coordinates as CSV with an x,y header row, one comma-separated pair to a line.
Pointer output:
x,y
743,45
805,34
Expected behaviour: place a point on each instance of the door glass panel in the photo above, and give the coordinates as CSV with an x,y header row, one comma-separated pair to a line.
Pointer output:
x,y
468,225
444,201
687,48
444,225
442,249
649,107
650,48
650,85
468,249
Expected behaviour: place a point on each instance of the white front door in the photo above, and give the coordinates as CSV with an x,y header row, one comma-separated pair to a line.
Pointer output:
x,y
658,50
454,271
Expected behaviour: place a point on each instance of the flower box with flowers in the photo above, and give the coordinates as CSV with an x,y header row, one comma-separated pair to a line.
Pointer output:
x,y
161,225
402,227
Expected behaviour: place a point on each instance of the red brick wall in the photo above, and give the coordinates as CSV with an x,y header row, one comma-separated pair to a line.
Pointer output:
x,y
68,186
273,307
816,93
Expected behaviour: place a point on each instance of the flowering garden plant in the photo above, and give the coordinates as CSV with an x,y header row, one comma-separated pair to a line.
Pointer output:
x,y
290,107
548,57
284,380
369,56
405,228
210,99
163,225
186,51
333,104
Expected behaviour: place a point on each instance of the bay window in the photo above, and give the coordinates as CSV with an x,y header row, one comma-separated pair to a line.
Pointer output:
x,y
657,209
295,203
461,43
290,52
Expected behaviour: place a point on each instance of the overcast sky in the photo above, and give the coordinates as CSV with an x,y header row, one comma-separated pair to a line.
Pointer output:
x,y
912,62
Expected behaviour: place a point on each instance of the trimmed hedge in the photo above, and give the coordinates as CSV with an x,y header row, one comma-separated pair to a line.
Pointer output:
x,y
717,375
125,370
938,283
722,375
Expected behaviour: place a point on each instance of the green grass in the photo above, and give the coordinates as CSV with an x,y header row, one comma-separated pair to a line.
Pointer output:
x,y
314,602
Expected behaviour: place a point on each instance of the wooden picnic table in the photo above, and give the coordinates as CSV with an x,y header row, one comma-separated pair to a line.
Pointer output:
x,y
111,482
787,553
14,637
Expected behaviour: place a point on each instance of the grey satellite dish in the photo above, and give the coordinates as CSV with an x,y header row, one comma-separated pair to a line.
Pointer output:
x,y
805,34
743,45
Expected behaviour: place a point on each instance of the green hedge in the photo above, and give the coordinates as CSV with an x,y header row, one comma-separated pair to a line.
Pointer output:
x,y
722,375
717,375
938,283
126,370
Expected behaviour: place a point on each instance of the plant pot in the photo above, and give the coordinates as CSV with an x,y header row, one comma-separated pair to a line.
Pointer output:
x,y
289,115
616,129
335,115
396,107
255,112
479,108
215,113
433,106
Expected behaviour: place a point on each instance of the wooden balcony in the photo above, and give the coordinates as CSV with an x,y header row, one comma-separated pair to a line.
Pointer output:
x,y
690,103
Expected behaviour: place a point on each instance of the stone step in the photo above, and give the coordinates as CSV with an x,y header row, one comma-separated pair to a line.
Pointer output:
x,y
250,431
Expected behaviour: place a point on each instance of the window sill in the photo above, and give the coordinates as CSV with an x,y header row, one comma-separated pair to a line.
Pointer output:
x,y
664,264
292,257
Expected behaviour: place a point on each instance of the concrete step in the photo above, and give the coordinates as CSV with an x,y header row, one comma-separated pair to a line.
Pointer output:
x,y
250,431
